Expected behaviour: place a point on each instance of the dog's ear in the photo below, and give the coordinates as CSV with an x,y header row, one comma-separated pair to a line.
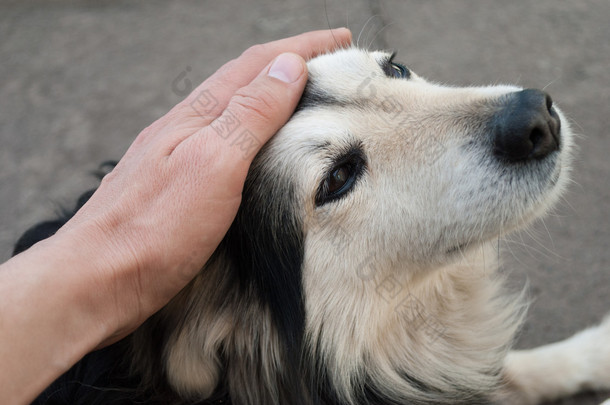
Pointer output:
x,y
189,337
242,319
266,244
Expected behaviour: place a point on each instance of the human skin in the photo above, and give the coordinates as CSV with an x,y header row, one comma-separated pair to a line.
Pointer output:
x,y
153,222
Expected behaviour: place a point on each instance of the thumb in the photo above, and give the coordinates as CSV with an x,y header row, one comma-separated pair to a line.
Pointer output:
x,y
260,109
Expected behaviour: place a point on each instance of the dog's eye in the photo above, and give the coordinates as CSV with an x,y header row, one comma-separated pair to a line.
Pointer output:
x,y
399,71
394,69
340,179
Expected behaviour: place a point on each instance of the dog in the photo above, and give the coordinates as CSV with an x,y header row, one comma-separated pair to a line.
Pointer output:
x,y
361,267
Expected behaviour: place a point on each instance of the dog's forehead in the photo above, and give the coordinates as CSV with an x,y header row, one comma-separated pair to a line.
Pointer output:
x,y
330,114
340,72
327,115
349,60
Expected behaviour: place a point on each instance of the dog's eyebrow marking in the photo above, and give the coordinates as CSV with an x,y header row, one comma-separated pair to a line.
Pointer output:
x,y
321,146
313,96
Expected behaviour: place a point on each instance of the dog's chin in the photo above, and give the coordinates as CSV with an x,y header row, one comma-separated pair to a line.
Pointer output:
x,y
546,202
548,180
552,187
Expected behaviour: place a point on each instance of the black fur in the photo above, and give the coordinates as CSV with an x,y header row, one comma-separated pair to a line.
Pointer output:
x,y
313,96
265,245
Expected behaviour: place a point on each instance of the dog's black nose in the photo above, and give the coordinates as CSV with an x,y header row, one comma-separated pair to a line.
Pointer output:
x,y
526,127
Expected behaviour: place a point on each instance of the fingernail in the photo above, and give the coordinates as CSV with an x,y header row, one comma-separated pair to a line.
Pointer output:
x,y
287,67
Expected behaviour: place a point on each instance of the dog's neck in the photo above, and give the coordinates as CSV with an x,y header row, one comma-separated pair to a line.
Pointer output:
x,y
422,327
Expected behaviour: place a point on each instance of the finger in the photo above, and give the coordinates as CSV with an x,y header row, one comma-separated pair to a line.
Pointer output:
x,y
213,95
211,98
253,115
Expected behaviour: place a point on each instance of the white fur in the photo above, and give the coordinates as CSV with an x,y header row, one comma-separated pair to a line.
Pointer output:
x,y
579,363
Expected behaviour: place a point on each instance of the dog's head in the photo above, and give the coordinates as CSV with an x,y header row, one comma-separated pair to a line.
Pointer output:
x,y
381,186
381,157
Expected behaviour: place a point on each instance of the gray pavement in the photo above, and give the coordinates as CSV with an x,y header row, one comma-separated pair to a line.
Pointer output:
x,y
80,79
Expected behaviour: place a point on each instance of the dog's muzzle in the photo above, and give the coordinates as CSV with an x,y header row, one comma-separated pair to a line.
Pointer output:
x,y
526,127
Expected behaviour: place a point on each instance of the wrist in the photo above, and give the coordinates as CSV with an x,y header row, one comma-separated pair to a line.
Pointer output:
x,y
101,271
53,311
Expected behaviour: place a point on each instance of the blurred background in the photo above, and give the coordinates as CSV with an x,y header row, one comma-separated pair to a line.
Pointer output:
x,y
80,79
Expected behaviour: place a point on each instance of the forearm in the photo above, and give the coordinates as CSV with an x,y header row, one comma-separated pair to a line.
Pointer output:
x,y
51,314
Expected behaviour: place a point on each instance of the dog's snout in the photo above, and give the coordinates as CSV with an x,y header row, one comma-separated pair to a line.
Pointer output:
x,y
526,127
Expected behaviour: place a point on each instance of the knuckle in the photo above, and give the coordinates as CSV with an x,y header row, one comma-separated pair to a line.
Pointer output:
x,y
262,104
225,69
256,51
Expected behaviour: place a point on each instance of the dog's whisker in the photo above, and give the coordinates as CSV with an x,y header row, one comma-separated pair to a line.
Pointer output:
x,y
512,253
548,234
567,202
371,30
381,29
549,84
364,27
330,28
543,251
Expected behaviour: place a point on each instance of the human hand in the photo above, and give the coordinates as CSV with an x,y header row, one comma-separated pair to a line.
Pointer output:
x,y
153,222
160,214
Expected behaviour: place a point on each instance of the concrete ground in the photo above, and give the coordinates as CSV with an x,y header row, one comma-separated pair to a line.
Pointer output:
x,y
79,80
